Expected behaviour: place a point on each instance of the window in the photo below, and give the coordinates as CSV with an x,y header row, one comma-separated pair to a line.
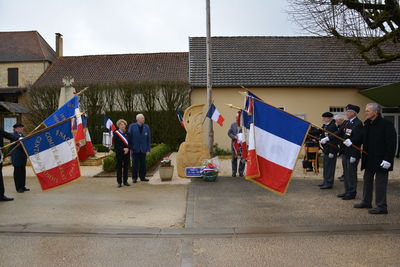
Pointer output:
x,y
13,77
336,109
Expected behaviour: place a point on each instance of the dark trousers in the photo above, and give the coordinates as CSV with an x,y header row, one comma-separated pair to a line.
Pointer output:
x,y
139,166
122,168
234,165
350,177
329,169
1,181
19,177
381,181
343,160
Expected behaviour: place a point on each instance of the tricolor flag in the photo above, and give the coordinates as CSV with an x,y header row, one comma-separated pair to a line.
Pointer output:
x,y
275,140
214,114
86,150
53,155
109,125
180,118
248,109
69,109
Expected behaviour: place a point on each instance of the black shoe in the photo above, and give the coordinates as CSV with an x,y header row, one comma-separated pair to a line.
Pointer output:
x,y
320,185
348,197
378,211
127,184
134,181
144,180
233,174
326,187
119,185
26,189
241,174
362,205
20,190
4,198
341,195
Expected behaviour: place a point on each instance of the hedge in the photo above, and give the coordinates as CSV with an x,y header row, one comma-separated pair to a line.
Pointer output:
x,y
156,154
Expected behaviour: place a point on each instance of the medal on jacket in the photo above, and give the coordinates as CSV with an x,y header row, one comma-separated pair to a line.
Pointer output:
x,y
123,138
348,132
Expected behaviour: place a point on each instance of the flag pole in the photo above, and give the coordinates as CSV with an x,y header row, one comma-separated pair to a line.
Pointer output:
x,y
315,126
209,75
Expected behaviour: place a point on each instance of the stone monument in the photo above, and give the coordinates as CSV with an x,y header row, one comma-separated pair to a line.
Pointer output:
x,y
66,92
193,151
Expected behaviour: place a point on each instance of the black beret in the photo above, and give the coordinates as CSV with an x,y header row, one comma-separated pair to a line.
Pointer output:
x,y
327,115
354,108
18,125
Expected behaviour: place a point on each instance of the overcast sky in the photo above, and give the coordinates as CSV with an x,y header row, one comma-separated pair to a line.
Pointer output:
x,y
130,26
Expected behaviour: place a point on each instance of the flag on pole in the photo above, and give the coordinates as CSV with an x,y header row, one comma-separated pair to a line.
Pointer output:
x,y
275,140
86,150
69,109
53,155
109,125
180,118
248,109
214,115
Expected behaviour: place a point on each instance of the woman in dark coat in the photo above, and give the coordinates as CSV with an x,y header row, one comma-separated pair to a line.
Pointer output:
x,y
121,148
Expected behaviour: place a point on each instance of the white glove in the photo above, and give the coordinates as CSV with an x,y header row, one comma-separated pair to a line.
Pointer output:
x,y
324,140
330,155
352,159
347,142
386,165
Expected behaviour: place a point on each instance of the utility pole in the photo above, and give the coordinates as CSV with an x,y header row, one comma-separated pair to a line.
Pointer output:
x,y
209,77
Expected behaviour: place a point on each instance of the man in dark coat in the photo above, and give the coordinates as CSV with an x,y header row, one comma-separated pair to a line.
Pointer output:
x,y
18,158
236,151
330,149
11,137
351,131
139,144
379,141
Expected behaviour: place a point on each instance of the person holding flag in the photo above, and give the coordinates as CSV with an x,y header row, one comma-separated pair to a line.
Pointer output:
x,y
121,148
236,135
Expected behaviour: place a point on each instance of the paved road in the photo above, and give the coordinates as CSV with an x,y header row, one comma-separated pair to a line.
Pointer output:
x,y
229,223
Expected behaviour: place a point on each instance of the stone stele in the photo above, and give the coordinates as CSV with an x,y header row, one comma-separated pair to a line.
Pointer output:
x,y
193,151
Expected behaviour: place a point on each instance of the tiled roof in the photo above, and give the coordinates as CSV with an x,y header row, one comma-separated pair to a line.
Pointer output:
x,y
24,46
285,62
109,69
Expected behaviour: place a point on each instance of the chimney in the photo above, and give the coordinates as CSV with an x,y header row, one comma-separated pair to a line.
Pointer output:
x,y
59,45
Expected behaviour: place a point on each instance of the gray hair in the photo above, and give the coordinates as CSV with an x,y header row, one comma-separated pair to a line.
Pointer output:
x,y
339,117
375,106
139,116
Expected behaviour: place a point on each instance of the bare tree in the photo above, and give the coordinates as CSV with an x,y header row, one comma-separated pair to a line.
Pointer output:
x,y
372,26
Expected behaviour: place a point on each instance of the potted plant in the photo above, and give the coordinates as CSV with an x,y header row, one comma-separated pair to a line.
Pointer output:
x,y
166,170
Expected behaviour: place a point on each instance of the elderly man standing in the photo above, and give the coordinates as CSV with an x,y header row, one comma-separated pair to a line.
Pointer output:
x,y
379,141
139,144
351,131
235,134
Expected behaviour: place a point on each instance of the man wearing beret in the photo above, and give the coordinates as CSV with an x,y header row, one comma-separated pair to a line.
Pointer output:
x,y
11,137
379,141
330,149
351,132
18,158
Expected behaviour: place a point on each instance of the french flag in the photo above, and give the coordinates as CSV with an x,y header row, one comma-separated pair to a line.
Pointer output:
x,y
275,140
86,150
109,125
53,155
180,118
214,114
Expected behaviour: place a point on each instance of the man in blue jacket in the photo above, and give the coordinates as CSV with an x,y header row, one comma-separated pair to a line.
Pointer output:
x,y
139,144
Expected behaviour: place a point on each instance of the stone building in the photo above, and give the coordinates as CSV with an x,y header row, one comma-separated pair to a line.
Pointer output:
x,y
24,57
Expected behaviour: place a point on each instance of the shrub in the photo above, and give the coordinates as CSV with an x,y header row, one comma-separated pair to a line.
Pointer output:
x,y
220,151
156,154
